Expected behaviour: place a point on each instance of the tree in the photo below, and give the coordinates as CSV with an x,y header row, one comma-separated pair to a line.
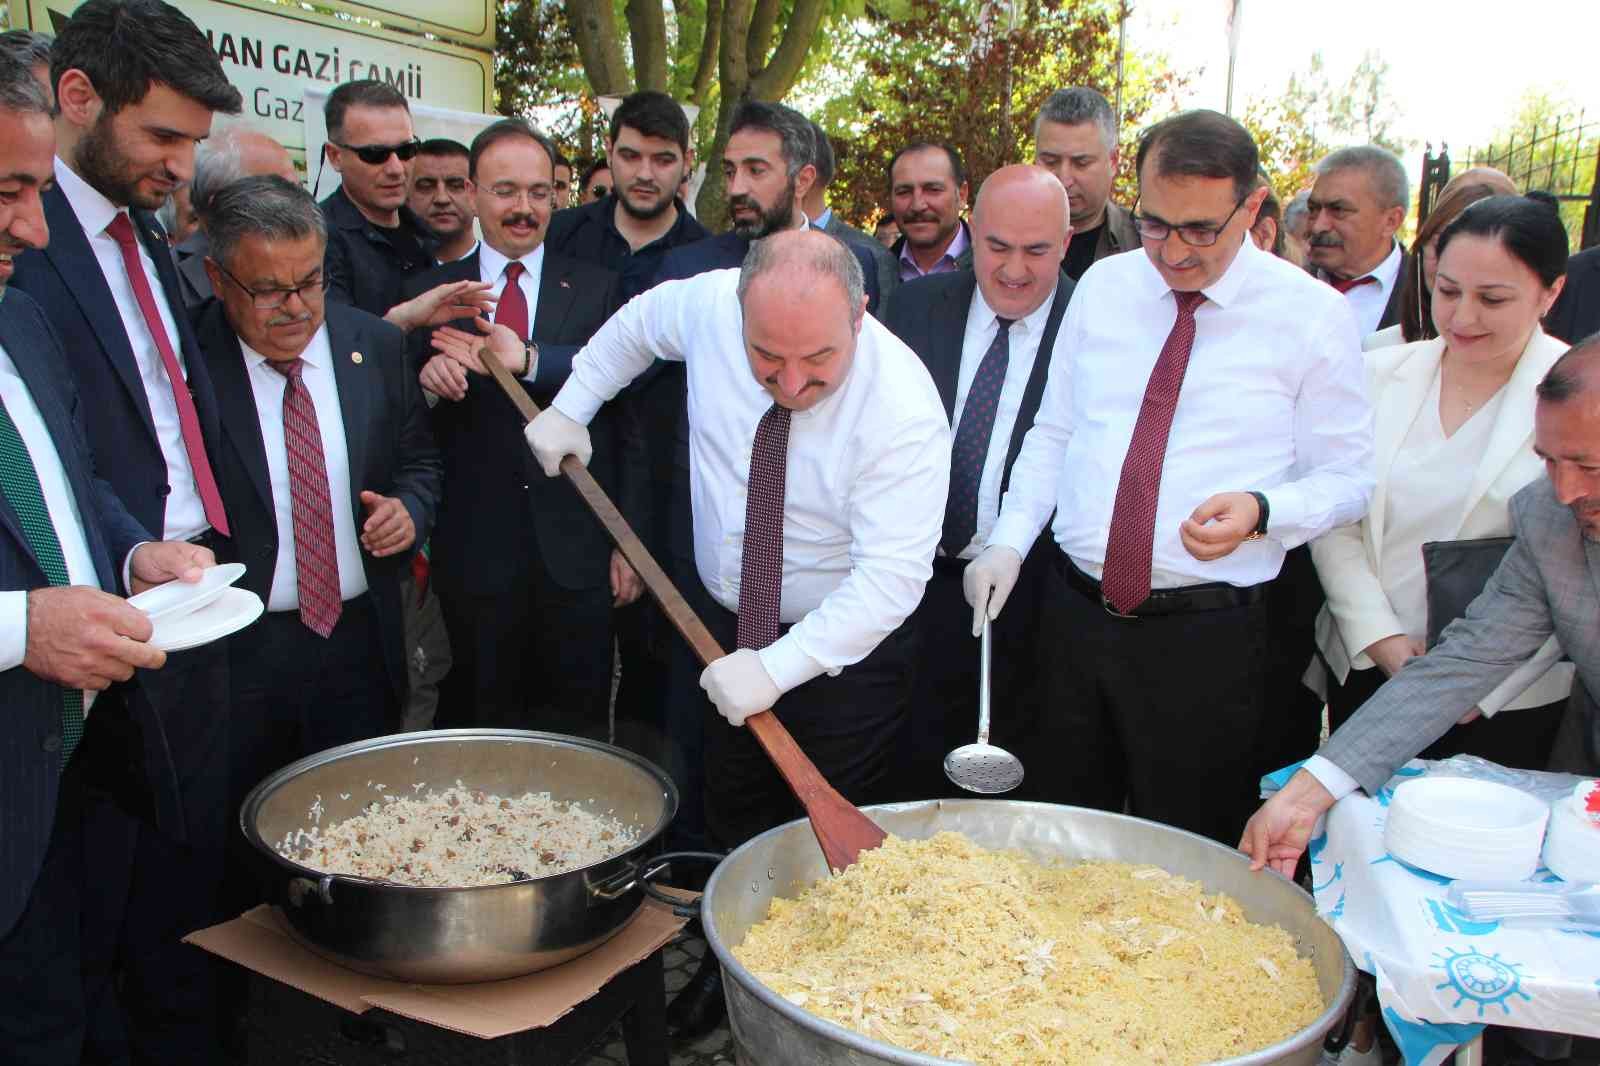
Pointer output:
x,y
973,76
1547,144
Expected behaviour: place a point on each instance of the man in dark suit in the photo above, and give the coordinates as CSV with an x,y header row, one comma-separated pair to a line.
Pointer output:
x,y
525,574
136,85
234,152
1576,313
65,638
823,217
986,335
1356,207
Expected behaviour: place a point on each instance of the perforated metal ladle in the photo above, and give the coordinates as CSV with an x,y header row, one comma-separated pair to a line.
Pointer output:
x,y
982,767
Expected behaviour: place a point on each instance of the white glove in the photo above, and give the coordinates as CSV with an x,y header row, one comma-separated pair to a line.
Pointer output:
x,y
553,436
988,581
739,686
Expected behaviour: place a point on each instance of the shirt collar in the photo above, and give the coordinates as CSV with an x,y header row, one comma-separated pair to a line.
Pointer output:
x,y
824,218
958,245
94,211
1223,291
1387,271
492,262
318,352
1030,325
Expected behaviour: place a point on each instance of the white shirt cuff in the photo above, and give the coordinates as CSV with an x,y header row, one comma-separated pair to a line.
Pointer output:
x,y
787,665
1335,780
127,567
13,629
577,401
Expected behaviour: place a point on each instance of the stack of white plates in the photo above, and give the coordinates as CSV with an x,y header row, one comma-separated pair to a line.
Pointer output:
x,y
188,614
1572,850
1456,827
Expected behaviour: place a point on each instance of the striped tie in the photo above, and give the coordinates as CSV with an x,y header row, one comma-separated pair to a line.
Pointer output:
x,y
20,481
316,558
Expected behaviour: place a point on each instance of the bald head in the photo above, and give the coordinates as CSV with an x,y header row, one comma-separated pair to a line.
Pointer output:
x,y
1574,374
802,296
232,153
1566,432
1020,229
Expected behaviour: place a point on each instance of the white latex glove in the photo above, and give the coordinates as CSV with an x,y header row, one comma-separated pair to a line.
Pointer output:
x,y
553,436
739,686
987,582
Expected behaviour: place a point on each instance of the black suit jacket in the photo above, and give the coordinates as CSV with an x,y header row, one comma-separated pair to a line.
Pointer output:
x,y
30,723
1576,313
364,269
65,279
494,489
1391,310
193,281
389,449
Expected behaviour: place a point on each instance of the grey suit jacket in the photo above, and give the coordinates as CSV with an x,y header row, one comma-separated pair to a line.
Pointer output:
x,y
888,268
1549,582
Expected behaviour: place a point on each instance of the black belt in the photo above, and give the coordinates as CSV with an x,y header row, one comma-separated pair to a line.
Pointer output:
x,y
208,538
1214,596
949,564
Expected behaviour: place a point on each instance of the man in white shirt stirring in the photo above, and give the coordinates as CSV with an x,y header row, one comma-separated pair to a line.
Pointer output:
x,y
1177,485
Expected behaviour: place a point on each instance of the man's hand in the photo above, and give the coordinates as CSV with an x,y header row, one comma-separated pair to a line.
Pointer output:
x,y
445,378
388,528
1278,832
739,686
81,637
1391,653
468,348
441,304
161,561
625,583
987,582
1220,525
553,436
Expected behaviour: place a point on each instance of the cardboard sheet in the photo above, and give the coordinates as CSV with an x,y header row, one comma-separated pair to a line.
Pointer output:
x,y
260,940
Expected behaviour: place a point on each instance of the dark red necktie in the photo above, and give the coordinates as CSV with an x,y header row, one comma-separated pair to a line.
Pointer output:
x,y
316,556
1346,284
761,568
121,231
512,310
1125,581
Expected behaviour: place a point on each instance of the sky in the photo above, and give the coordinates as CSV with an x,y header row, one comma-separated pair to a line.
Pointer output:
x,y
1457,67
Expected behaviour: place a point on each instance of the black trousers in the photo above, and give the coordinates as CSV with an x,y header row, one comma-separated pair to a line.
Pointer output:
x,y
150,997
531,654
1292,725
944,705
847,725
1511,738
1163,714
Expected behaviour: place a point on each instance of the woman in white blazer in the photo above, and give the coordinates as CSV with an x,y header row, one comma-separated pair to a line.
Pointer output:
x,y
1453,441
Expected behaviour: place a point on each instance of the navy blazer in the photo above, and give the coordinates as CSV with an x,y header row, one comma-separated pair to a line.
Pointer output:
x,y
389,449
30,722
1576,313
65,279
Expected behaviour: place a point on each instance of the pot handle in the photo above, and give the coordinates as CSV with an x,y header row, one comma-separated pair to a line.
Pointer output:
x,y
663,862
301,887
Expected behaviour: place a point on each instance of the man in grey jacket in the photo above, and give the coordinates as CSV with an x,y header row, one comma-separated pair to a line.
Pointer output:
x,y
1548,583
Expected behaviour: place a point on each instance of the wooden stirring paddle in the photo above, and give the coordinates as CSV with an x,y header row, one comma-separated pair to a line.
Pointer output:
x,y
841,829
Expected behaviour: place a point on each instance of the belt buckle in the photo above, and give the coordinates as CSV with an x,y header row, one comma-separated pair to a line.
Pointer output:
x,y
1110,608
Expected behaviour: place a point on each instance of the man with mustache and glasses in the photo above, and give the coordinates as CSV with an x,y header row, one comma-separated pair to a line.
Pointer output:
x,y
1357,205
928,192
442,196
1176,486
526,576
137,85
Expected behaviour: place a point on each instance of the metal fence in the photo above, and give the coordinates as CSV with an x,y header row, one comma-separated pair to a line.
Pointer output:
x,y
1560,156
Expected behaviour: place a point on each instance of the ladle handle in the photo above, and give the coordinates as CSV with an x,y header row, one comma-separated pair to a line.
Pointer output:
x,y
983,685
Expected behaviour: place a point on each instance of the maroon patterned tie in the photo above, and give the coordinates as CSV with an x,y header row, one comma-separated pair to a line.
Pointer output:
x,y
1346,284
761,569
205,483
512,310
316,559
1126,579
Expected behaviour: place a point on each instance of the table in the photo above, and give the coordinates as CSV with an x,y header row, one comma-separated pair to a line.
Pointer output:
x,y
1441,977
289,1027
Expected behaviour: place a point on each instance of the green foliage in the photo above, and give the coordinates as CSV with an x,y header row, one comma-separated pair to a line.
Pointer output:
x,y
1549,142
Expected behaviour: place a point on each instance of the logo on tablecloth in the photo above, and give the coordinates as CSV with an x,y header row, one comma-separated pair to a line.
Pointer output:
x,y
1485,980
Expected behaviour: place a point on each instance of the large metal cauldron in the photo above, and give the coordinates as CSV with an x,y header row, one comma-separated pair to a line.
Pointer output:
x,y
771,1031
456,935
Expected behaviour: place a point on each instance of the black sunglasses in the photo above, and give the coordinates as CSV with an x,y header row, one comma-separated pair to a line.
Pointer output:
x,y
378,154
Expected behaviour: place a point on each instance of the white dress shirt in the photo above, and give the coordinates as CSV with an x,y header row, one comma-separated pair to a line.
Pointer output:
x,y
1274,400
1025,336
492,268
269,386
58,500
868,468
185,514
1368,301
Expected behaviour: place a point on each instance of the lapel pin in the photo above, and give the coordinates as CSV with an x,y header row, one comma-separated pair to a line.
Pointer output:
x,y
564,284
355,357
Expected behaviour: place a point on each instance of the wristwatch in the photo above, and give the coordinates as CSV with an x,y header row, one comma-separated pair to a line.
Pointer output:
x,y
1261,523
530,352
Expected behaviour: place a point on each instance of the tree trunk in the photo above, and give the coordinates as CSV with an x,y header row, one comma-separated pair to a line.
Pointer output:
x,y
706,68
780,73
594,27
758,42
647,29
733,75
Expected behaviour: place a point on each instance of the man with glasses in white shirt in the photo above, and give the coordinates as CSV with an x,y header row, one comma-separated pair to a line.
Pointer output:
x,y
1204,413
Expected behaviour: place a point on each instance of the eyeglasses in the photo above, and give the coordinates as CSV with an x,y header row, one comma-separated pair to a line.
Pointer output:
x,y
1153,229
377,154
272,299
